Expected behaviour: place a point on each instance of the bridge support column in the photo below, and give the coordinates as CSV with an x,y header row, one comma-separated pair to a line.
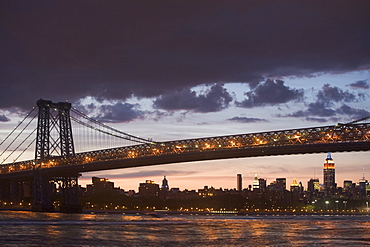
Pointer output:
x,y
16,191
41,193
68,186
5,192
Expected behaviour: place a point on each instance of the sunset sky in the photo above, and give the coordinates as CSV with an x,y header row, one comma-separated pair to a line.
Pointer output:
x,y
171,70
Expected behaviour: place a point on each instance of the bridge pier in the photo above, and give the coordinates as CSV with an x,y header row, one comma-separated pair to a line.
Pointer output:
x,y
45,186
42,189
16,191
5,192
68,187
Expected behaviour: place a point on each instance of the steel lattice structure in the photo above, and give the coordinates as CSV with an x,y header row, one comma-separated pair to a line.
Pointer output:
x,y
53,117
341,137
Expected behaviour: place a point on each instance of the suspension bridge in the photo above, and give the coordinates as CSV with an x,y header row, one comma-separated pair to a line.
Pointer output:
x,y
58,161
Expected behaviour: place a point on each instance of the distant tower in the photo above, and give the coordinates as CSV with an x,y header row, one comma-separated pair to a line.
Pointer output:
x,y
295,186
256,183
329,175
165,184
363,176
239,182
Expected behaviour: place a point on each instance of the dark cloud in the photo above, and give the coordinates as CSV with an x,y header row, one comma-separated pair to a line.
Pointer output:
x,y
271,92
247,120
330,94
318,120
3,118
353,113
363,84
325,107
215,99
318,109
119,112
109,49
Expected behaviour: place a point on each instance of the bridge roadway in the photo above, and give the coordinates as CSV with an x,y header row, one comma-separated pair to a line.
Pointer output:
x,y
338,138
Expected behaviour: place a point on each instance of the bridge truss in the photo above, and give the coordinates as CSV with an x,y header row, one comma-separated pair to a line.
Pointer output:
x,y
341,137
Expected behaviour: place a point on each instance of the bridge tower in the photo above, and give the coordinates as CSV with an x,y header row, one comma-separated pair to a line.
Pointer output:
x,y
54,138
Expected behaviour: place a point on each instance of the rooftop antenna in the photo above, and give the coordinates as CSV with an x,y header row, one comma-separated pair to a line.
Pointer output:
x,y
363,173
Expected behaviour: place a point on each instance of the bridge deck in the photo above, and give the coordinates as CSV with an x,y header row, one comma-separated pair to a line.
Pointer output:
x,y
339,138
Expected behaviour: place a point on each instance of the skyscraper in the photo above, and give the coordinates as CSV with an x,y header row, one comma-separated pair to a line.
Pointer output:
x,y
256,183
281,184
262,184
239,182
313,185
329,175
295,186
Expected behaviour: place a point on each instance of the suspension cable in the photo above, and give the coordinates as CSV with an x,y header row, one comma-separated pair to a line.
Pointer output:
x,y
33,108
103,131
136,138
19,146
34,139
11,143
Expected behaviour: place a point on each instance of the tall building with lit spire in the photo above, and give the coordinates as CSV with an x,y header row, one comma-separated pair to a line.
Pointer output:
x,y
163,193
329,175
165,184
295,186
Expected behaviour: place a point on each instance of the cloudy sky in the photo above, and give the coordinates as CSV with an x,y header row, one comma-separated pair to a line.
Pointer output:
x,y
171,70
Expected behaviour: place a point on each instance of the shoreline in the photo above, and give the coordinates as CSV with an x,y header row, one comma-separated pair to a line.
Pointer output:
x,y
165,212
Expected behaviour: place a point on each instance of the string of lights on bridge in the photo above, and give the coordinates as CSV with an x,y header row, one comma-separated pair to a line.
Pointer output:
x,y
340,133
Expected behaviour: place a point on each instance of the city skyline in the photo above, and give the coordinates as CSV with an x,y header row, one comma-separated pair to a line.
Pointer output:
x,y
230,180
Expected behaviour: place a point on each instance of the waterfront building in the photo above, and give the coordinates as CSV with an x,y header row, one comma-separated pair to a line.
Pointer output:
x,y
164,191
149,189
99,185
165,186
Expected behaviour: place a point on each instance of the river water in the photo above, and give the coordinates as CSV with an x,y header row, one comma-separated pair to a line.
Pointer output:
x,y
92,229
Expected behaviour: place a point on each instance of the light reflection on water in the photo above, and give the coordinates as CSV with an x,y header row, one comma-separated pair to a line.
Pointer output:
x,y
55,229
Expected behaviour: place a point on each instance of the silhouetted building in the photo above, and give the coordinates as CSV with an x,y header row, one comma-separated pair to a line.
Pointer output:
x,y
99,185
348,185
239,182
329,175
262,184
163,193
165,184
281,183
256,184
148,189
313,185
